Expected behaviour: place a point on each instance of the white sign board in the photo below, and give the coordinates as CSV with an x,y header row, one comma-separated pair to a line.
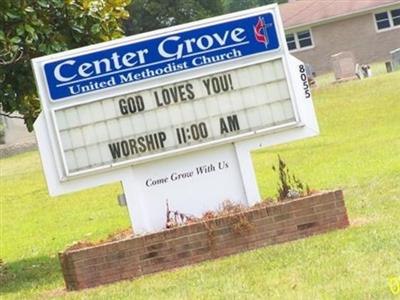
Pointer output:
x,y
173,114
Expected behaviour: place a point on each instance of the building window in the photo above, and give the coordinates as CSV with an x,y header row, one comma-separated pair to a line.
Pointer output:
x,y
395,17
387,19
299,40
291,42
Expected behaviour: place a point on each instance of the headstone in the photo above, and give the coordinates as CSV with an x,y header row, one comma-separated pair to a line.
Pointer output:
x,y
121,200
309,70
389,67
310,74
358,72
395,59
344,65
363,71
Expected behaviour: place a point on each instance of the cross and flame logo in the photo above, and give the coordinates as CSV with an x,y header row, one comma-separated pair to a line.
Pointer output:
x,y
260,31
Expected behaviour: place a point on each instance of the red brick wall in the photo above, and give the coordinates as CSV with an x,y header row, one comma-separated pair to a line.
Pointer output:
x,y
194,243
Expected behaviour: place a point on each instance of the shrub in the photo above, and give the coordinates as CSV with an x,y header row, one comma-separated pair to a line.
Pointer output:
x,y
289,186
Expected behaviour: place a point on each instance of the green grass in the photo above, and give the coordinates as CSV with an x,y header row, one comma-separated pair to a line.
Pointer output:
x,y
358,150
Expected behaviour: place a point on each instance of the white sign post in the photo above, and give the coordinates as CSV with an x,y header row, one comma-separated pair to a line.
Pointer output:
x,y
172,114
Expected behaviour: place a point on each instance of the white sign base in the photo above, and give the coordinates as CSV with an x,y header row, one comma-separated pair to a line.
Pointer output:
x,y
192,183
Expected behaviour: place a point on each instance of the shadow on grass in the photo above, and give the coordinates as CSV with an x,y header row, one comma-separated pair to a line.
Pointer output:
x,y
31,273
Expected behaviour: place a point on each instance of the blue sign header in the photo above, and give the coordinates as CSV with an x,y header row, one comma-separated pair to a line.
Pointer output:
x,y
161,56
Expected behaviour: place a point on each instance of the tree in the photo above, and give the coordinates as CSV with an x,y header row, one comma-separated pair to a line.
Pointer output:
x,y
147,15
33,28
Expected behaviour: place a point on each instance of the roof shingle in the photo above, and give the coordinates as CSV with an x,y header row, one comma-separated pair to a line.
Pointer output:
x,y
305,12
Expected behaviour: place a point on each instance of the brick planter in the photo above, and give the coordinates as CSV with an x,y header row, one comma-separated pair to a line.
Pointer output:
x,y
165,250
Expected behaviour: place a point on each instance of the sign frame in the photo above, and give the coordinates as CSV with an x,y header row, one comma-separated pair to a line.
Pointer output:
x,y
39,63
224,140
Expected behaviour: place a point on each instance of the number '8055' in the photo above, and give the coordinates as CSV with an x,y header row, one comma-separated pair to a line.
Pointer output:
x,y
303,77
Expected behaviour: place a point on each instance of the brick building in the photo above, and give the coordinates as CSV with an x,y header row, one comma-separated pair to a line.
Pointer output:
x,y
316,29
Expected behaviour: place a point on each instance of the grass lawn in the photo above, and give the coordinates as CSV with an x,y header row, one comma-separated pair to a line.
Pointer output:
x,y
358,150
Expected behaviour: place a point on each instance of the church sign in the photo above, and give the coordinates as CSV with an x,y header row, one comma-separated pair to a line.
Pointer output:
x,y
172,114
